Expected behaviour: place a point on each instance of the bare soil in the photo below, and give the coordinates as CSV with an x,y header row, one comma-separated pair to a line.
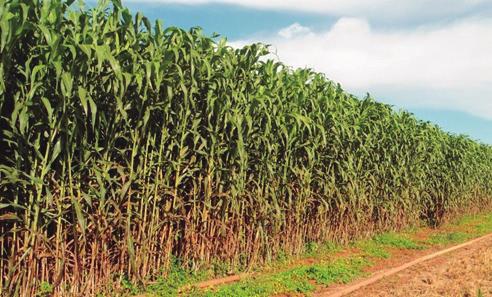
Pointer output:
x,y
464,272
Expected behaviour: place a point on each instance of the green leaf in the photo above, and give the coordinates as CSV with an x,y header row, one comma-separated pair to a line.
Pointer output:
x,y
56,151
83,99
67,84
93,107
79,214
47,106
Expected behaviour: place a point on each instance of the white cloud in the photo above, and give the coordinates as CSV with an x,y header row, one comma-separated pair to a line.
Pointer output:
x,y
294,30
448,66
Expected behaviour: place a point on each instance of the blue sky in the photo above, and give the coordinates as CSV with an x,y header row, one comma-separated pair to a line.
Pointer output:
x,y
431,57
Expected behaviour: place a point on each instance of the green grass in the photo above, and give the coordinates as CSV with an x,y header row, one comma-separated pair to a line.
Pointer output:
x,y
313,249
341,271
396,240
46,289
377,246
474,226
297,280
169,285
291,280
449,238
305,278
485,226
372,249
301,279
466,220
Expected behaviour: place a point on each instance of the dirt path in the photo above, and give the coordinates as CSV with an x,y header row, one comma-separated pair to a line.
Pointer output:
x,y
460,273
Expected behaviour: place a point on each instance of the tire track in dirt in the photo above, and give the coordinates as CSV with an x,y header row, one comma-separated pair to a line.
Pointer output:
x,y
457,271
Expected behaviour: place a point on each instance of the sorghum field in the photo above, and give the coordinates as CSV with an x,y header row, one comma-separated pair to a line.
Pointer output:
x,y
125,145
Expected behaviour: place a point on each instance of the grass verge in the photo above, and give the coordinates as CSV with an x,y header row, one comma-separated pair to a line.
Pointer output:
x,y
329,263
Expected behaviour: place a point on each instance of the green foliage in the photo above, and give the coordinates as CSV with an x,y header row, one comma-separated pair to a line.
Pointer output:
x,y
45,289
485,225
250,289
311,247
466,220
281,258
342,271
377,246
397,241
129,287
449,238
298,280
177,277
328,248
124,144
371,248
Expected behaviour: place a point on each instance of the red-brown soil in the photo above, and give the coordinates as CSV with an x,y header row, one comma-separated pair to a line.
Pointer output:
x,y
464,272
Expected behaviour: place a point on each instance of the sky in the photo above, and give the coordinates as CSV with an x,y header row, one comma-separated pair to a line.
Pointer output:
x,y
431,57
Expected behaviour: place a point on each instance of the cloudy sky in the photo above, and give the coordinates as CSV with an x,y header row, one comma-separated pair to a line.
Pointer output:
x,y
432,57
